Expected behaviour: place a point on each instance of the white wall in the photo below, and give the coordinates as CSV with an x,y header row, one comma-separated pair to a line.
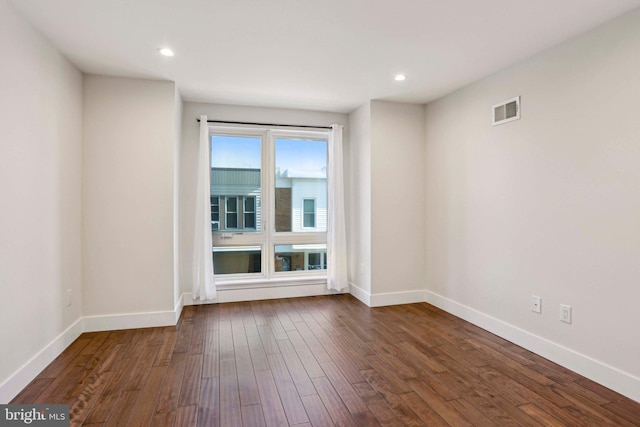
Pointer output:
x,y
40,170
397,197
128,195
357,158
549,204
190,134
386,212
177,119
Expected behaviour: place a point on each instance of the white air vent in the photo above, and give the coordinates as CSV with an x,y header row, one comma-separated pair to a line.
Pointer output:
x,y
506,111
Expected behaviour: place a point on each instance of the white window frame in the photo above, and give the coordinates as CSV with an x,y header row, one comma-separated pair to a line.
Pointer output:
x,y
267,238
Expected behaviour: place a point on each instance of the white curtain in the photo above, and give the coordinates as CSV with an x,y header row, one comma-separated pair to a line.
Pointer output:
x,y
336,227
203,284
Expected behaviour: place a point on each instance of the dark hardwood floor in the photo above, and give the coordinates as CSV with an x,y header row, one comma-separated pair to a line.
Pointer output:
x,y
318,361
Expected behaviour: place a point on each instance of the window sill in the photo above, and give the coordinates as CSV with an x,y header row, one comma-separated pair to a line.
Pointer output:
x,y
270,283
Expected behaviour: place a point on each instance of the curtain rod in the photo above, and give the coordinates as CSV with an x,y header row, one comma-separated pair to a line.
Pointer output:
x,y
265,124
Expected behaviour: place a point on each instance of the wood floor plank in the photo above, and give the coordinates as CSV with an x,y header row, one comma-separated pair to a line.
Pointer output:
x,y
269,342
123,409
366,419
399,407
213,409
470,412
283,316
271,404
442,407
305,354
277,329
296,369
87,397
317,349
211,356
289,396
166,349
163,419
252,416
334,404
106,402
545,419
170,388
344,388
356,354
344,363
377,405
31,392
183,340
186,416
425,412
190,389
318,415
601,414
239,334
258,355
225,338
246,377
144,409
290,310
55,368
397,384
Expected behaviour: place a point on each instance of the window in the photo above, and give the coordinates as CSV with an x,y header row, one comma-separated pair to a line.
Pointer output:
x,y
314,261
309,213
215,213
300,257
231,209
271,186
249,212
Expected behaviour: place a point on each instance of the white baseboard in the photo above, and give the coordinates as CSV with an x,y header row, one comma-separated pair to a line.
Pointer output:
x,y
178,309
395,298
113,322
27,372
360,293
389,298
613,378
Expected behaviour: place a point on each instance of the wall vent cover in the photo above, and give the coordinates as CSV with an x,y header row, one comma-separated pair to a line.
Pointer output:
x,y
505,111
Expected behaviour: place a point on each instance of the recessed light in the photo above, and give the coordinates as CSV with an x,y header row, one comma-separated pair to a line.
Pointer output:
x,y
165,51
400,77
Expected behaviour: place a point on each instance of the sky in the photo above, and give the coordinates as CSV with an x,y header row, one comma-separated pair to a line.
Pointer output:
x,y
244,152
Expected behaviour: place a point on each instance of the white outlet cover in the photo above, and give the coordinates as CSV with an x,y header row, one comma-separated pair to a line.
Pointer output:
x,y
536,304
565,313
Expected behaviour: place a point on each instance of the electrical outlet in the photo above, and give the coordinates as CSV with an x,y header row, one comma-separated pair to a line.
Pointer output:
x,y
69,292
536,304
565,313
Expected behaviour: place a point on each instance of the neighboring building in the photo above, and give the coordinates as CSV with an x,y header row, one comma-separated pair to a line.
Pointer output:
x,y
235,199
300,206
301,200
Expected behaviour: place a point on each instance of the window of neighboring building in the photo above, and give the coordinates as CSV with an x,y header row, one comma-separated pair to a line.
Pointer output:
x,y
315,261
249,212
215,212
231,210
309,213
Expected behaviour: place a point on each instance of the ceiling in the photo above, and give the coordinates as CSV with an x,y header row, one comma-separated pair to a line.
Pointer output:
x,y
326,54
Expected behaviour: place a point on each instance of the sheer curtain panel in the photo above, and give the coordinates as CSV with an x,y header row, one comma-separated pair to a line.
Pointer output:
x,y
204,287
336,229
